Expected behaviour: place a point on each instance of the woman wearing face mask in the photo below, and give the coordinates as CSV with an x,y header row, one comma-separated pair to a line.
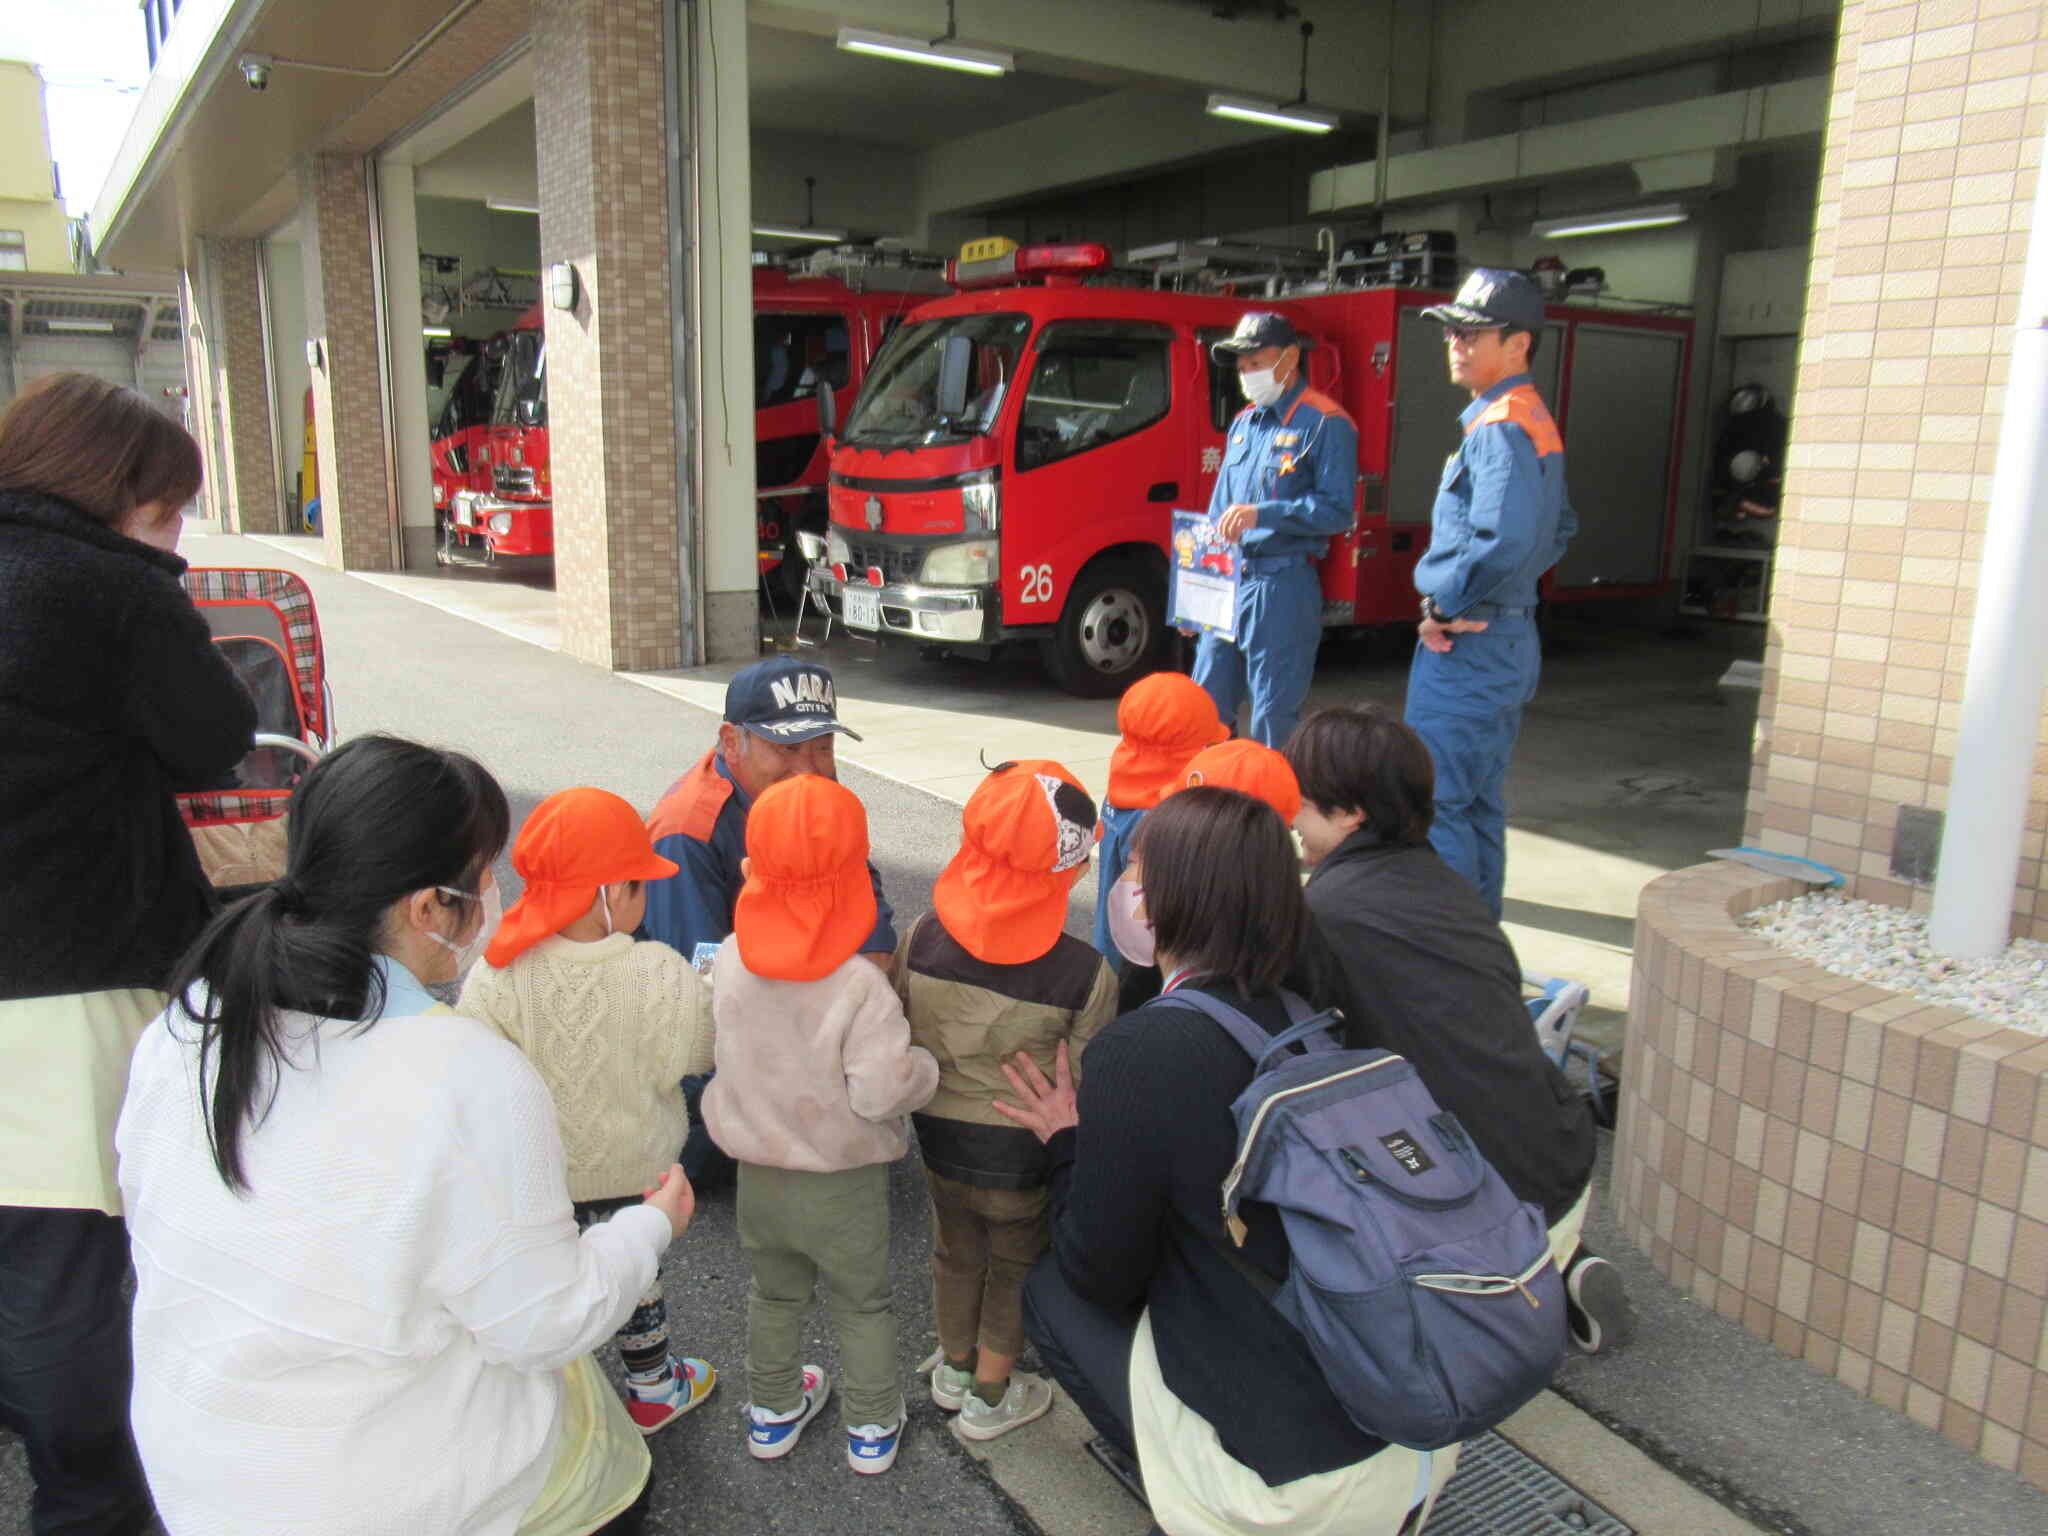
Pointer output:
x,y
358,1279
112,696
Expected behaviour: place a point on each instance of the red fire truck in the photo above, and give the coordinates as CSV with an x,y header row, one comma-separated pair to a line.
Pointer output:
x,y
817,323
465,418
1009,470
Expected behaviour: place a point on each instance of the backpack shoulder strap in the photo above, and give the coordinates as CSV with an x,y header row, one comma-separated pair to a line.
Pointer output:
x,y
1254,1041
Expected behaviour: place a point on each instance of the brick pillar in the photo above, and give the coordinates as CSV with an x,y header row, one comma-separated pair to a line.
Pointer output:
x,y
357,515
1919,239
241,381
600,117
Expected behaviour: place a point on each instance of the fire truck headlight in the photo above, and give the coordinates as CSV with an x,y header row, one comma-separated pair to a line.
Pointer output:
x,y
837,551
982,504
501,522
970,564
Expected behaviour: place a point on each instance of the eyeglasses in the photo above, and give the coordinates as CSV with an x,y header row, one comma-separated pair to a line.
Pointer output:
x,y
1467,333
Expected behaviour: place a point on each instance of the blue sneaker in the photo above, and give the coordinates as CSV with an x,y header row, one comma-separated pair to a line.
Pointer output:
x,y
872,1448
771,1435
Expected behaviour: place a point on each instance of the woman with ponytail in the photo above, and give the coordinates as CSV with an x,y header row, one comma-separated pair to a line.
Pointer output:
x,y
362,1303
112,696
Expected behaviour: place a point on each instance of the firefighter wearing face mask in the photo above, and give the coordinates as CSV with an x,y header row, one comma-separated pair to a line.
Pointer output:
x,y
1287,483
1500,521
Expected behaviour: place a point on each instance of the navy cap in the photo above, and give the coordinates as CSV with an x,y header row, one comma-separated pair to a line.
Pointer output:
x,y
784,700
1493,296
1257,329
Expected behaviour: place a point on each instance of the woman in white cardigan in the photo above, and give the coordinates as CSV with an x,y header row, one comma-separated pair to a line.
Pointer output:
x,y
362,1304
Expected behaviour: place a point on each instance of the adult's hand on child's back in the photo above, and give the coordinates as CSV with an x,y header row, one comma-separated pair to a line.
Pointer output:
x,y
1047,1108
674,1198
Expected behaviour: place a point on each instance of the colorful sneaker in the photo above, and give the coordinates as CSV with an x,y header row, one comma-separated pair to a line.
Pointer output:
x,y
772,1435
872,1448
1597,1307
689,1382
1028,1397
950,1384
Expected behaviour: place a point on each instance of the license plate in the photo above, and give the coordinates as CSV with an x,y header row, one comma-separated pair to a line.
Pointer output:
x,y
863,610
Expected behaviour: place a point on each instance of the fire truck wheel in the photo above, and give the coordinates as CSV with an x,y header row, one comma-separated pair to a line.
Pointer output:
x,y
1108,633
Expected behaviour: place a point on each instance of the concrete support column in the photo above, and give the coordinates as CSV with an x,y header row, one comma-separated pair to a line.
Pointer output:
x,y
399,249
202,418
357,506
240,378
602,120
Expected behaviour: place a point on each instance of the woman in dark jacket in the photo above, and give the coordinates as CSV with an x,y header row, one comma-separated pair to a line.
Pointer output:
x,y
112,696
1157,1333
1407,947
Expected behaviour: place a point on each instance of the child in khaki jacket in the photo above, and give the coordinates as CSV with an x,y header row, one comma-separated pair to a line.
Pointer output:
x,y
988,975
815,1075
612,1025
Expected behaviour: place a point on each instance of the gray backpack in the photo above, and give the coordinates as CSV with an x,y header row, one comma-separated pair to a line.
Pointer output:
x,y
1424,1288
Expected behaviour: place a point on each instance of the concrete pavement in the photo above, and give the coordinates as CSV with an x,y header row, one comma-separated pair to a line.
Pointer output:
x,y
1777,1446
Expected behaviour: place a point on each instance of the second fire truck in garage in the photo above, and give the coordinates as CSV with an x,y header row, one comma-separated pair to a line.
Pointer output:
x,y
1009,469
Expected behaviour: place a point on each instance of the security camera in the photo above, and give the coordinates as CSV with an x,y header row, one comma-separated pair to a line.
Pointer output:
x,y
256,70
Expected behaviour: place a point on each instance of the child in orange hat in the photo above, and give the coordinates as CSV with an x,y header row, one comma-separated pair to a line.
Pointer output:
x,y
1250,768
1165,719
988,974
612,1025
815,1074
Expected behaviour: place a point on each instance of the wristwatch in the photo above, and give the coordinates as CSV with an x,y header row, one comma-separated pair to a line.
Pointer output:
x,y
1432,613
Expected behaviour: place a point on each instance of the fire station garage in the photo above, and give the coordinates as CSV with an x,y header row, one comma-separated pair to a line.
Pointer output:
x,y
627,295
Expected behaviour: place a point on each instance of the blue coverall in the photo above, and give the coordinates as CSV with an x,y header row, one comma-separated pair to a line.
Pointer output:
x,y
1296,460
1119,832
1500,521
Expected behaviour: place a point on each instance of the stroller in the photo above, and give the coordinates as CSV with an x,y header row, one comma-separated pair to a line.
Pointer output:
x,y
266,626
1554,1011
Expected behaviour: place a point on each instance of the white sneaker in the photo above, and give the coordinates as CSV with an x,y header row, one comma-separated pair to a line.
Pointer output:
x,y
772,1435
950,1384
871,1448
1029,1397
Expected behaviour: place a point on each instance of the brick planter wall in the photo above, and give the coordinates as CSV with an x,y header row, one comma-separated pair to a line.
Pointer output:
x,y
1856,1176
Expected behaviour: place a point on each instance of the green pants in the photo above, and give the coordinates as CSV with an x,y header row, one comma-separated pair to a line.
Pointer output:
x,y
798,1228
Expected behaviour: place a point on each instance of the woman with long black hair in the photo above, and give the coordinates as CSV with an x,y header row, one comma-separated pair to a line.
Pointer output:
x,y
1143,1310
359,1282
112,696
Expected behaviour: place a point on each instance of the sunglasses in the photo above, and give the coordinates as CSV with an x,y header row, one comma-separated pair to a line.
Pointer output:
x,y
1465,333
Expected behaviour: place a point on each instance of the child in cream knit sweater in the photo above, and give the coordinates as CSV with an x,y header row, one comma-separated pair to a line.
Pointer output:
x,y
613,1025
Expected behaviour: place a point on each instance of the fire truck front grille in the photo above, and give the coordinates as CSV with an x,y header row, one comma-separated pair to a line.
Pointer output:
x,y
899,566
512,480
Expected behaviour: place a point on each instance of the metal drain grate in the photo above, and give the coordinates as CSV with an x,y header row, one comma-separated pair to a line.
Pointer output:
x,y
1500,1492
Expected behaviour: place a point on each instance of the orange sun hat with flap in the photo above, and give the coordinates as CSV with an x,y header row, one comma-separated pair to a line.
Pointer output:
x,y
574,842
1249,768
808,903
1025,838
1165,719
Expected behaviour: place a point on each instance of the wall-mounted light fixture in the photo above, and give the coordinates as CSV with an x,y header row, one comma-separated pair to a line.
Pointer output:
x,y
942,52
563,286
313,353
1652,216
506,205
435,330
1297,114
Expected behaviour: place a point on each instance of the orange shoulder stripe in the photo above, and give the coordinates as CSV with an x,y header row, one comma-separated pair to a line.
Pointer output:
x,y
1323,403
1525,408
692,803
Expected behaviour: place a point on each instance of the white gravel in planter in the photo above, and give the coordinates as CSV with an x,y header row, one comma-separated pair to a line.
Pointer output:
x,y
1888,947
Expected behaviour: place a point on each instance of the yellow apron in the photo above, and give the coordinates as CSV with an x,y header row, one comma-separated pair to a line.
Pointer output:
x,y
601,1460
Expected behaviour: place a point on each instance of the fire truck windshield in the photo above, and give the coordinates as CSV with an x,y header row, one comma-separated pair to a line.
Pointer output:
x,y
899,405
523,387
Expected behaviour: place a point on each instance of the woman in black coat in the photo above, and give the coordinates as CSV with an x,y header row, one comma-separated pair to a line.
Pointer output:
x,y
112,697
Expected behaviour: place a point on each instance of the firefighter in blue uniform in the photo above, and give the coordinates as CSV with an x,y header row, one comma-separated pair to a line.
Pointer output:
x,y
1286,484
1501,520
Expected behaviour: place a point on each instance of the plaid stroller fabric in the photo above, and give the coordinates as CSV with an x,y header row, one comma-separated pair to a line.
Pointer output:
x,y
290,601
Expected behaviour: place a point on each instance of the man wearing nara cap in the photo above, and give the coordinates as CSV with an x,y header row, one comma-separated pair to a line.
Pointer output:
x,y
781,717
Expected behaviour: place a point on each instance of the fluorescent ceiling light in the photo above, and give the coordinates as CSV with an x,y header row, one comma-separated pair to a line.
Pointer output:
x,y
506,205
1655,216
1271,114
800,232
915,50
96,327
435,330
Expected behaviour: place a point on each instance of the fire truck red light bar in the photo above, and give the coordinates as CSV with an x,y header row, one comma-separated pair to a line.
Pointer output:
x,y
1030,261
